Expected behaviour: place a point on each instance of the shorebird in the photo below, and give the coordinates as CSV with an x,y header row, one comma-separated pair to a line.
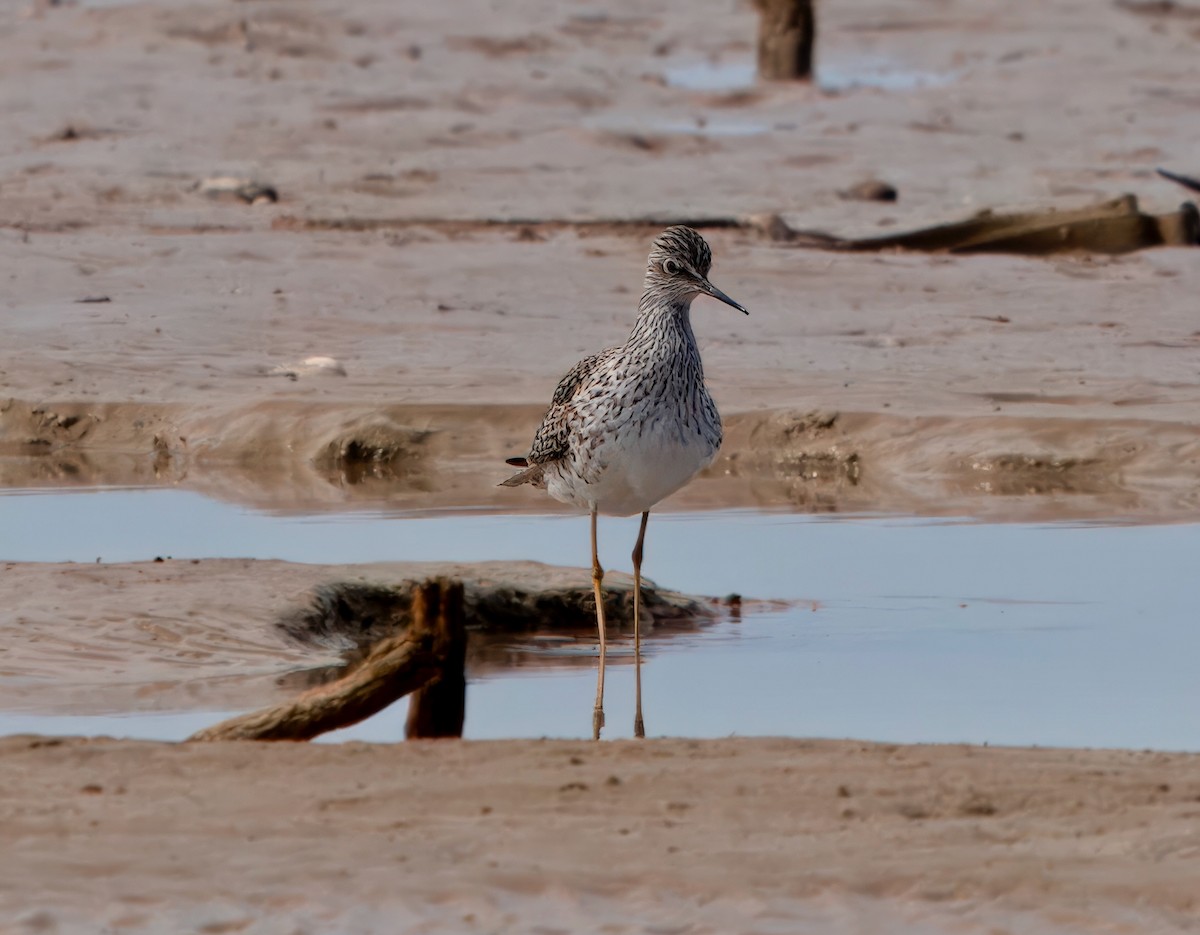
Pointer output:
x,y
633,424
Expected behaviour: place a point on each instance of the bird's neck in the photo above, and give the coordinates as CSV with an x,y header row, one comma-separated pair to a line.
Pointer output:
x,y
663,322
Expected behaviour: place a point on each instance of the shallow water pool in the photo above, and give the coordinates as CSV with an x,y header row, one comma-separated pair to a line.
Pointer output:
x,y
894,629
833,74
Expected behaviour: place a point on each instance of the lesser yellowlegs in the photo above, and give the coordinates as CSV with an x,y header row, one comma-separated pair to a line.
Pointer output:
x,y
632,424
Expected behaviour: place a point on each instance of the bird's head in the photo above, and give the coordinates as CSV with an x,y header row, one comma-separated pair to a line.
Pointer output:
x,y
677,268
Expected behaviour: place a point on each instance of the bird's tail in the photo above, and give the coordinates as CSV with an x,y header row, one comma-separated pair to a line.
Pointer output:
x,y
531,474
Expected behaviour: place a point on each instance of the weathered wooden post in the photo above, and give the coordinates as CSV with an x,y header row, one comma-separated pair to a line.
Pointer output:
x,y
438,708
786,32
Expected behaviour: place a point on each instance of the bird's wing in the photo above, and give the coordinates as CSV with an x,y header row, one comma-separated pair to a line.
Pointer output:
x,y
551,441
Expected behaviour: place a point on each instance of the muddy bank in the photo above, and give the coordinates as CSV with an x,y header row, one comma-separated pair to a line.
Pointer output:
x,y
826,836
292,456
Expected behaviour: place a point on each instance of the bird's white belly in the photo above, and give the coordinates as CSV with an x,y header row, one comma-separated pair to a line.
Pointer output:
x,y
631,471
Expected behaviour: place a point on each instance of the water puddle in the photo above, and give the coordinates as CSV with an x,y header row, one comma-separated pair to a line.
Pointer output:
x,y
834,75
712,76
697,125
106,4
704,126
896,629
879,74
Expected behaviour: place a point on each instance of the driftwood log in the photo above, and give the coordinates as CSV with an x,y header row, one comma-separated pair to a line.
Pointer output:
x,y
1116,226
432,648
786,32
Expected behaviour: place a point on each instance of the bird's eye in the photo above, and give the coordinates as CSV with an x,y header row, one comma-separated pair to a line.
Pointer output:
x,y
670,267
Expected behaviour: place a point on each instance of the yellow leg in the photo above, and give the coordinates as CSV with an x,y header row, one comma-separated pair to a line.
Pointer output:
x,y
639,727
597,580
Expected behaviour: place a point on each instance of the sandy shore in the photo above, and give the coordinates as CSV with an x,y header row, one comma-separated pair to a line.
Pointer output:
x,y
466,193
670,835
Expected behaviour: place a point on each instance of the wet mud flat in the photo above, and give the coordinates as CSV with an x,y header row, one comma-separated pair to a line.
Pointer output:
x,y
756,834
331,258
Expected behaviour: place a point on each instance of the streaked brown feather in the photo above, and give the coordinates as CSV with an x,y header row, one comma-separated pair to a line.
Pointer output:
x,y
531,475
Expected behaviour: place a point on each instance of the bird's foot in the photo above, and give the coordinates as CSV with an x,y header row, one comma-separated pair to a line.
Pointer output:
x,y
597,722
639,727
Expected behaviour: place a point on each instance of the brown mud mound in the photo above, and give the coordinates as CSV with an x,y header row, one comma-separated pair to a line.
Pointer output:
x,y
373,450
504,597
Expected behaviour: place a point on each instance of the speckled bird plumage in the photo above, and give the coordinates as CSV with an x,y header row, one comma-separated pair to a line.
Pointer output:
x,y
632,424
